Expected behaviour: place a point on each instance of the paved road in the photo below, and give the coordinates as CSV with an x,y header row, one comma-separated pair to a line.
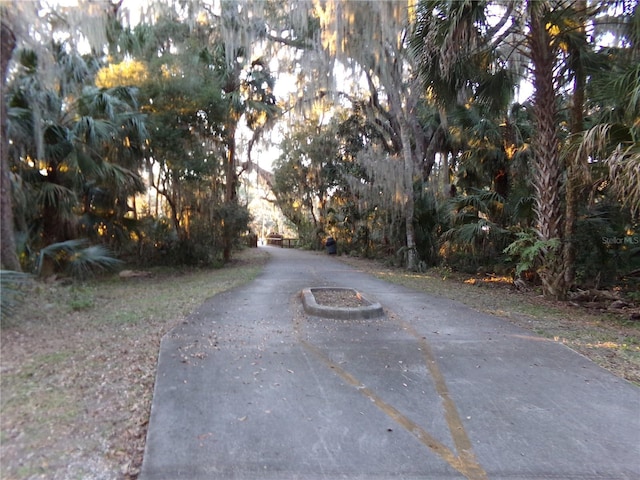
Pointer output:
x,y
251,387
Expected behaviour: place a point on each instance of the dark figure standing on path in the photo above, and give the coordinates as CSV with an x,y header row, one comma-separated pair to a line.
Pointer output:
x,y
331,245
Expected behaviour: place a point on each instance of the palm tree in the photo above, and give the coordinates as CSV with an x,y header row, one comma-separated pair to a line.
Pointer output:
x,y
109,145
549,168
33,28
614,104
464,71
77,149
555,29
460,52
576,162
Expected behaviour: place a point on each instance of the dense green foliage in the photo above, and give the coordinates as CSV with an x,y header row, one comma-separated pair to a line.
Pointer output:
x,y
417,150
128,152
481,206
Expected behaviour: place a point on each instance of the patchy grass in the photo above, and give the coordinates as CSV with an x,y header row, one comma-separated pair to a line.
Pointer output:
x,y
78,366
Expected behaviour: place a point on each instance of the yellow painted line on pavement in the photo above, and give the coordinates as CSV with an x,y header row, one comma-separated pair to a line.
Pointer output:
x,y
452,417
465,461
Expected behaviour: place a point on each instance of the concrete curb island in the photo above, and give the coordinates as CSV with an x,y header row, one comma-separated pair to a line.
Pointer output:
x,y
368,310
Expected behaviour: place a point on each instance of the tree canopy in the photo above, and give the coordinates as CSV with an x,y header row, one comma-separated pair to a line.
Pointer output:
x,y
400,129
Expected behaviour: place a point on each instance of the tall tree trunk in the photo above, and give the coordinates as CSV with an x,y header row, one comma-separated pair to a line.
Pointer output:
x,y
548,166
407,154
8,250
231,180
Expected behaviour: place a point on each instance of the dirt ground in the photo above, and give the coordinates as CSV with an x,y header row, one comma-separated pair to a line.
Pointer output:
x,y
78,362
342,298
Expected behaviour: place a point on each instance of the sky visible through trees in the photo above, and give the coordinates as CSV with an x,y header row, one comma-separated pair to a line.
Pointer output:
x,y
494,135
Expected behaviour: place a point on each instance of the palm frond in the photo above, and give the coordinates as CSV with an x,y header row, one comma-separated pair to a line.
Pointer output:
x,y
67,247
478,231
57,142
629,85
94,130
135,126
470,201
616,143
87,165
464,216
480,201
491,197
77,259
101,103
122,179
523,207
471,233
74,67
624,168
56,252
86,261
28,59
54,195
20,124
126,95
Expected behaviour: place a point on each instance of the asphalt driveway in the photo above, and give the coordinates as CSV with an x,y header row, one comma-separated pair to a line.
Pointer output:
x,y
253,387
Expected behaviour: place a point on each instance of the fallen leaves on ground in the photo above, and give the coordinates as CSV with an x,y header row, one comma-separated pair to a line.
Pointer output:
x,y
78,368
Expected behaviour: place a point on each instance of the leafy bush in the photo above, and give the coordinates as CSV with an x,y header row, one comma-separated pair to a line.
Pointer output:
x,y
475,237
428,221
201,244
527,250
606,245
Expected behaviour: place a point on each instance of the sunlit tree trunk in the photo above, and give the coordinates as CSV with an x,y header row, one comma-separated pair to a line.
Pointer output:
x,y
8,249
548,166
